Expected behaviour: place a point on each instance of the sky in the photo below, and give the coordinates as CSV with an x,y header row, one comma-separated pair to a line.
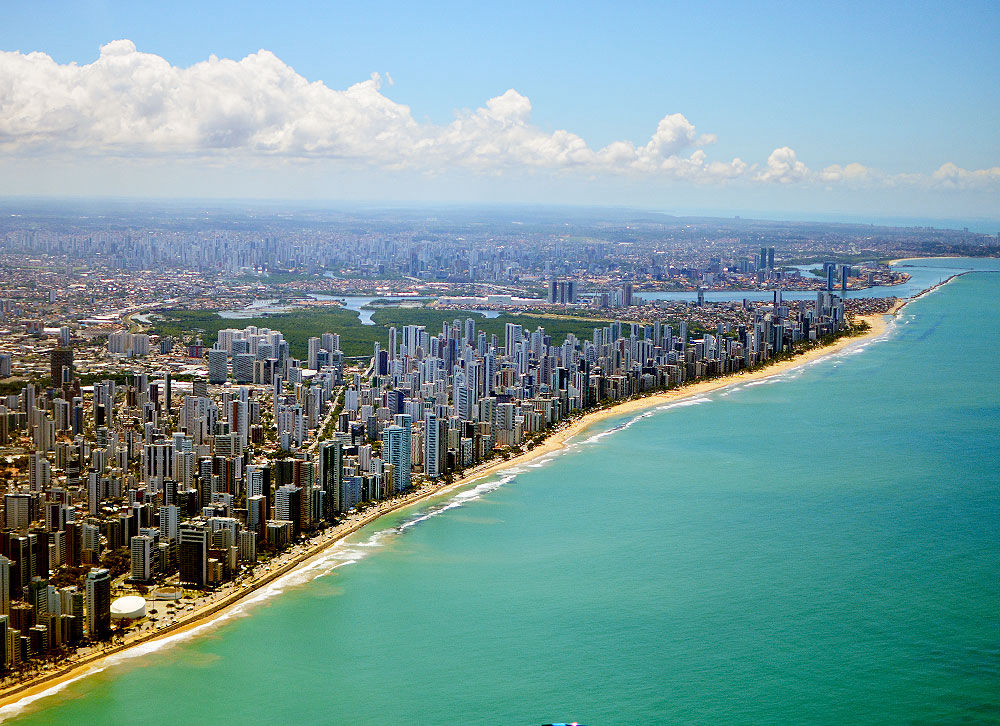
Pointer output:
x,y
888,109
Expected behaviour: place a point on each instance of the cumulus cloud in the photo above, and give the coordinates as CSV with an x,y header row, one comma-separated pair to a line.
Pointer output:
x,y
853,172
133,104
128,103
783,167
953,176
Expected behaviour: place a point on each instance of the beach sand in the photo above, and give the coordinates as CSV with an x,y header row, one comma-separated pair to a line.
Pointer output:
x,y
217,604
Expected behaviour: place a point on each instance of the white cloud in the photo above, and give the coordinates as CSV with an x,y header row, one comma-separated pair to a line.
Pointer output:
x,y
953,176
128,104
853,172
783,167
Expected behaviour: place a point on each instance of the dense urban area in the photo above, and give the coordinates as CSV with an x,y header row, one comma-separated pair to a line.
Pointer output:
x,y
188,395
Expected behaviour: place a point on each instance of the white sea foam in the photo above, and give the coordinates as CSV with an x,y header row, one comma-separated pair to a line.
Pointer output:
x,y
594,438
764,381
13,709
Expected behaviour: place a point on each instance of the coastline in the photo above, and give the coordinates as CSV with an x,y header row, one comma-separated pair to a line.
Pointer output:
x,y
914,259
224,603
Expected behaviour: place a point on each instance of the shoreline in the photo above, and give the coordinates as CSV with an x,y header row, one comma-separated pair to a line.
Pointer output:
x,y
236,593
932,257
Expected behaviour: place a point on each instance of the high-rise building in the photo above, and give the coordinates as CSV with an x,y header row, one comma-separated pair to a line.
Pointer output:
x,y
315,344
59,359
39,472
98,603
17,511
243,368
331,476
288,506
396,450
170,522
218,365
142,558
432,445
513,334
5,586
193,554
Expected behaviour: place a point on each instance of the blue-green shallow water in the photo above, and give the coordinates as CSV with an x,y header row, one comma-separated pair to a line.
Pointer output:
x,y
820,547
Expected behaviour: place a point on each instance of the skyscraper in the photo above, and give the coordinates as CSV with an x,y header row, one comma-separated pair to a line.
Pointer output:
x,y
169,522
243,367
396,450
218,365
331,473
432,445
60,358
141,550
99,603
288,506
193,555
5,586
313,353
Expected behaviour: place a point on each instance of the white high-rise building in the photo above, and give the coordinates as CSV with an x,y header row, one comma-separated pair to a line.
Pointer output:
x,y
314,349
17,511
39,472
170,517
218,366
255,481
432,446
396,450
142,557
158,462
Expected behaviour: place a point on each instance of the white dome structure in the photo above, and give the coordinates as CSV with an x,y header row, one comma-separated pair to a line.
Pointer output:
x,y
130,607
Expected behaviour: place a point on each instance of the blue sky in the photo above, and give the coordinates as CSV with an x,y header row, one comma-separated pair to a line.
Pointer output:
x,y
898,88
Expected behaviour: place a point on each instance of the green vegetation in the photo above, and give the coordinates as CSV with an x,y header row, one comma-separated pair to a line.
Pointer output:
x,y
356,339
557,327
14,386
297,327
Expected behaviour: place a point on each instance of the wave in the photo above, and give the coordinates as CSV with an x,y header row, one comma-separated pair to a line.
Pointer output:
x,y
594,438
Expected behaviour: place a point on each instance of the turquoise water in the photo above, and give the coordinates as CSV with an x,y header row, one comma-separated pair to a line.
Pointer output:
x,y
819,547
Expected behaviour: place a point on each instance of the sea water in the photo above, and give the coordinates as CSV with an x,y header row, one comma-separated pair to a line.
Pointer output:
x,y
817,546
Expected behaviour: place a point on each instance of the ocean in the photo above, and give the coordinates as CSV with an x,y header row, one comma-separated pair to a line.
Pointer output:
x,y
818,546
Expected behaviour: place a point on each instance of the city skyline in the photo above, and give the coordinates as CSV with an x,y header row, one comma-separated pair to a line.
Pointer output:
x,y
344,106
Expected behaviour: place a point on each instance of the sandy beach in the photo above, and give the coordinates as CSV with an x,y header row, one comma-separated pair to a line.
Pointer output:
x,y
215,605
